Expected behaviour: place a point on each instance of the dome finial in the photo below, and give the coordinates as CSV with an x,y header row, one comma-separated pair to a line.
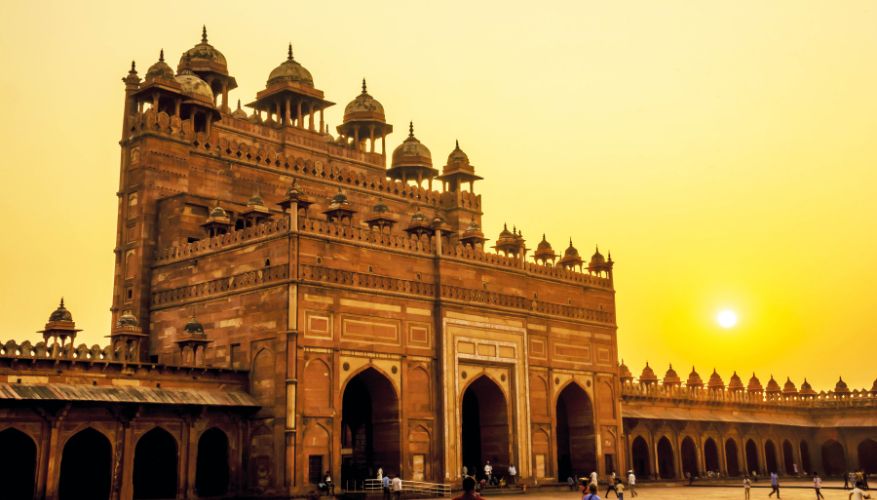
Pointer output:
x,y
289,52
161,55
364,91
62,302
411,129
457,143
133,66
204,33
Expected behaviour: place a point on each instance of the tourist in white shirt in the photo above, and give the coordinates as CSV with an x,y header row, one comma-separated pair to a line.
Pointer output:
x,y
631,483
858,492
817,485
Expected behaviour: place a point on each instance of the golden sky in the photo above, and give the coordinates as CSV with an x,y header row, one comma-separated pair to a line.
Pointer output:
x,y
724,151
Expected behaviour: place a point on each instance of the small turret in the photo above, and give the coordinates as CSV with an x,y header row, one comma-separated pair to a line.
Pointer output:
x,y
648,377
694,381
624,373
716,383
735,384
412,161
60,328
671,378
544,254
571,258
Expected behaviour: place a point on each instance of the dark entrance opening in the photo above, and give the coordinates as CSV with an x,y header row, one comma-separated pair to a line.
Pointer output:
x,y
805,457
576,448
788,457
369,427
731,459
770,456
833,459
86,466
751,457
711,455
689,457
155,465
640,458
18,462
666,469
211,471
485,427
867,456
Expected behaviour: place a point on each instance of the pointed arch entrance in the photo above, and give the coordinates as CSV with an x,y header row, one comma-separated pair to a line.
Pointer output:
x,y
770,457
155,465
751,457
369,427
666,469
17,464
788,457
576,446
689,457
731,457
833,458
86,466
867,451
211,470
639,451
711,455
485,422
805,457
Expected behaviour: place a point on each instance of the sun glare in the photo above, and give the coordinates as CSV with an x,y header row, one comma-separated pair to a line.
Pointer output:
x,y
726,318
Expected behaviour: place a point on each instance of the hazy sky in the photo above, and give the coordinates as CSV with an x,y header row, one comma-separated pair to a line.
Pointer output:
x,y
724,151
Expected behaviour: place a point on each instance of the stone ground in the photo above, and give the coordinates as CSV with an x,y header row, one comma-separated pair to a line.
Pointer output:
x,y
797,490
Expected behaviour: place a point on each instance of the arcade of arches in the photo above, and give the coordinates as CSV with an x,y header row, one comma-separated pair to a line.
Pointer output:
x,y
369,427
665,451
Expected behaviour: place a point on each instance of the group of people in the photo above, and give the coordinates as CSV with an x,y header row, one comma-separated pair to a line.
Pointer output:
x,y
588,485
391,485
860,486
490,478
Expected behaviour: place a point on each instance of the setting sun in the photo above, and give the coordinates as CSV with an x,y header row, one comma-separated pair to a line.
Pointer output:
x,y
726,318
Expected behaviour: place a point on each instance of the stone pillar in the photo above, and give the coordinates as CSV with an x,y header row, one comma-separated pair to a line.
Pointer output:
x,y
225,96
298,119
311,117
287,112
188,460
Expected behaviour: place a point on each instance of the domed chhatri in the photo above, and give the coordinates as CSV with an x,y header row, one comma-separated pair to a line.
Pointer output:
x,y
160,70
290,71
648,376
458,172
473,235
61,313
735,384
806,389
60,326
571,258
364,120
671,378
381,217
412,161
340,209
789,388
208,63
716,383
510,243
694,381
193,327
841,387
624,373
754,385
773,387
194,87
239,113
127,320
544,254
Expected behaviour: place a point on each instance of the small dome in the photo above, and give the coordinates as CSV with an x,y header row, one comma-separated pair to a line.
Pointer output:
x,y
160,70
694,379
127,320
789,388
411,153
754,384
458,161
340,199
544,251
873,386
806,389
290,71
671,378
239,113
624,372
648,375
61,313
218,213
203,57
735,383
380,207
571,251
773,386
256,201
716,382
597,259
473,230
194,87
841,387
193,327
364,107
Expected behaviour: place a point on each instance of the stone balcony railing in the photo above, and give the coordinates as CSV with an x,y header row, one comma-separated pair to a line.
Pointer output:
x,y
233,238
656,392
232,283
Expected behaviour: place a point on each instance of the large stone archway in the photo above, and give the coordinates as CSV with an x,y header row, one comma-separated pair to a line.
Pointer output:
x,y
770,457
711,455
732,460
370,432
485,426
666,459
155,465
18,461
805,456
867,451
788,457
689,457
752,457
640,461
575,441
834,460
212,471
86,466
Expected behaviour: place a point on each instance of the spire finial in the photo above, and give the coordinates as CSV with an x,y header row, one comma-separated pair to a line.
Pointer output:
x,y
457,141
363,87
239,104
204,33
62,302
570,244
289,52
161,55
411,129
133,66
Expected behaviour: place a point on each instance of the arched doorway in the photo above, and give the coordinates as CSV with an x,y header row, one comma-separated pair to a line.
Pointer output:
x,y
485,426
576,447
834,460
788,457
86,466
751,457
711,455
369,427
867,450
770,457
666,469
639,452
731,458
689,457
18,462
805,457
211,471
155,465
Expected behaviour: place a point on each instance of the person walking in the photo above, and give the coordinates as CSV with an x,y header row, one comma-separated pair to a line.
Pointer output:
x,y
610,485
594,478
817,485
488,472
619,489
513,471
747,484
774,484
469,490
385,485
631,483
858,492
396,486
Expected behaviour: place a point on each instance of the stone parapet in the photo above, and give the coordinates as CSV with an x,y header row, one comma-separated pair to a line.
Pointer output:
x,y
225,241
